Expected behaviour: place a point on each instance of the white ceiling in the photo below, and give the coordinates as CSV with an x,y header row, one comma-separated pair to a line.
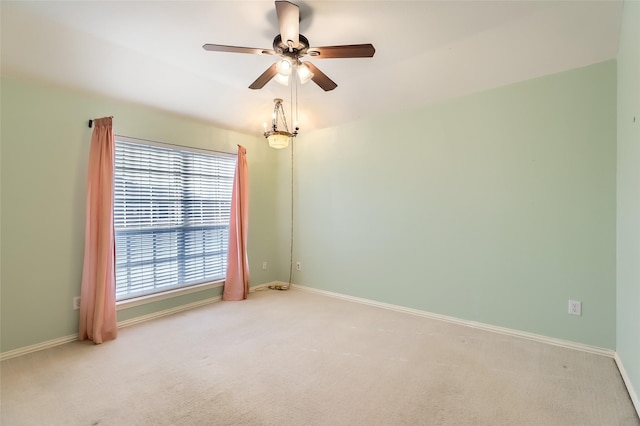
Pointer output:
x,y
150,52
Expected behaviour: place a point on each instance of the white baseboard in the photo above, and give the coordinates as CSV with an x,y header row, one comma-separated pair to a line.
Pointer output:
x,y
38,347
487,327
627,381
121,324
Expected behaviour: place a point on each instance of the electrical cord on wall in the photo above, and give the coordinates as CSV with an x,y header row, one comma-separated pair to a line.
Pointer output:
x,y
288,286
291,232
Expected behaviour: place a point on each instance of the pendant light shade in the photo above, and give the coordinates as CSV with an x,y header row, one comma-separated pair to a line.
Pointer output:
x,y
279,140
282,79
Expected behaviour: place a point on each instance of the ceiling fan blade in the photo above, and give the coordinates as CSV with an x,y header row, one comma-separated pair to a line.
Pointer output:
x,y
264,78
235,49
321,78
289,20
346,51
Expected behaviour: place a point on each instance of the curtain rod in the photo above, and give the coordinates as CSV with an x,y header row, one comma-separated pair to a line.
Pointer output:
x,y
172,144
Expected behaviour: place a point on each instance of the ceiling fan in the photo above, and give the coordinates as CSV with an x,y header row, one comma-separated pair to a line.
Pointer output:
x,y
291,46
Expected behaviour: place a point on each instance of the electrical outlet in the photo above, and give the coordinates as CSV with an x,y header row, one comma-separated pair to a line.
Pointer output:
x,y
76,303
575,307
298,266
264,265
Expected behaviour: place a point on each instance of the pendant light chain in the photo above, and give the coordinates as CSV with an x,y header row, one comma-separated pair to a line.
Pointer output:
x,y
280,110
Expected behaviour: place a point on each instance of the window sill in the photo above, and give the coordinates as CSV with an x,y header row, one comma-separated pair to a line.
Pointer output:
x,y
143,300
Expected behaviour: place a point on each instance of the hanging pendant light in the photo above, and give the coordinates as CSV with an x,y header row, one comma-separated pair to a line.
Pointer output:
x,y
279,139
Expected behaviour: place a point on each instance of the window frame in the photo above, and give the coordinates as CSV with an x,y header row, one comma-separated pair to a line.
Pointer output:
x,y
173,291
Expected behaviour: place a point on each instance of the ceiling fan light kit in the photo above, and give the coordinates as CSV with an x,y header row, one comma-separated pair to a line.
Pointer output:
x,y
285,67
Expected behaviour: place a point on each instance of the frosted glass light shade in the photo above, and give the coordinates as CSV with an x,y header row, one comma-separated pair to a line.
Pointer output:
x,y
304,73
282,79
284,66
279,140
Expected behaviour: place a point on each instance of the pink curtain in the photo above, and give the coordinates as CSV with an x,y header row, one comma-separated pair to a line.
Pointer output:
x,y
98,295
236,285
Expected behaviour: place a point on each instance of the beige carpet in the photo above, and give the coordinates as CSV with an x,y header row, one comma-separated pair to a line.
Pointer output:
x,y
297,358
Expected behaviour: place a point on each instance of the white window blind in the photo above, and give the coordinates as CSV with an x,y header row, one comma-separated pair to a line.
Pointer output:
x,y
171,217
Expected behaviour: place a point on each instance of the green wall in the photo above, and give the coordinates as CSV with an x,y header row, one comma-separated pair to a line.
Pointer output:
x,y
628,307
45,146
497,207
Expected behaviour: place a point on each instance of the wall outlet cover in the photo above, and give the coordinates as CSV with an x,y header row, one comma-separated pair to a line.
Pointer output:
x,y
575,307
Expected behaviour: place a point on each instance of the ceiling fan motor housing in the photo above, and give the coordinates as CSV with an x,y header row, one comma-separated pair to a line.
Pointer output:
x,y
283,49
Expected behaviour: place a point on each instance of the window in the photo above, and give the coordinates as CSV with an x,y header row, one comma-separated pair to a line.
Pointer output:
x,y
171,217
